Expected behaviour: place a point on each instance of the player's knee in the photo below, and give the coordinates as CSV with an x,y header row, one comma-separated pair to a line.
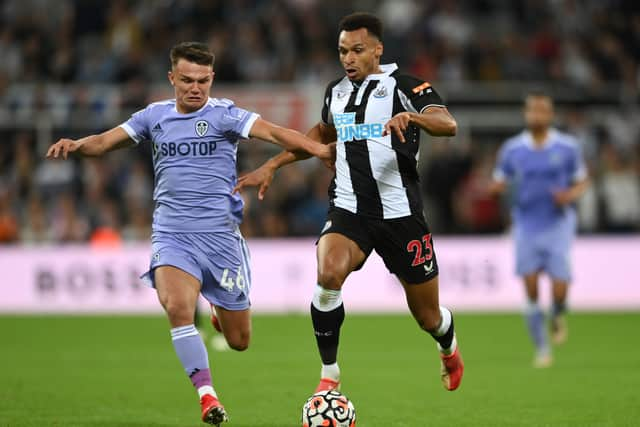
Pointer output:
x,y
429,320
239,342
177,311
330,277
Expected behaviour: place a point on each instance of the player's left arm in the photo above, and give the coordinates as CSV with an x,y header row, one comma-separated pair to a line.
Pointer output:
x,y
580,177
434,120
423,108
571,194
290,139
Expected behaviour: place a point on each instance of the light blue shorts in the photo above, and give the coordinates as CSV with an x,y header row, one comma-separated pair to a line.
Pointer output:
x,y
220,261
546,251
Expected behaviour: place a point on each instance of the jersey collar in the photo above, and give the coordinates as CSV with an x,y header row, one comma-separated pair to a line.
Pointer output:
x,y
175,107
551,136
386,70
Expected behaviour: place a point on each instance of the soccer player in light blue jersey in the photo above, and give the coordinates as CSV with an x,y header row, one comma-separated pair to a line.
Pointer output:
x,y
546,172
196,245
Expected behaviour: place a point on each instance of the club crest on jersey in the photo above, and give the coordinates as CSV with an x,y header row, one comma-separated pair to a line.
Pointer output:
x,y
380,92
555,158
201,127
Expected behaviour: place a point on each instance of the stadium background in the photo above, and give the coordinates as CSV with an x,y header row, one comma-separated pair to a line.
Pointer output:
x,y
74,235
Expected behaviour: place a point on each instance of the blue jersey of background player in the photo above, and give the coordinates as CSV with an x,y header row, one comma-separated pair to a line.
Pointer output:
x,y
546,174
196,245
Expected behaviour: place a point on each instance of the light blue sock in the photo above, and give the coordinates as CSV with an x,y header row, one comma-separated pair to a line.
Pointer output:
x,y
193,356
535,322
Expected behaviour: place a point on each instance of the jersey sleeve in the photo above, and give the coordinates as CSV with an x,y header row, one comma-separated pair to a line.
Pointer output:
x,y
236,122
137,127
327,117
576,165
416,94
504,168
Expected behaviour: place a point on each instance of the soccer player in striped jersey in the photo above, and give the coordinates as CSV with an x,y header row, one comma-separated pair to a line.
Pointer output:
x,y
375,113
196,244
547,174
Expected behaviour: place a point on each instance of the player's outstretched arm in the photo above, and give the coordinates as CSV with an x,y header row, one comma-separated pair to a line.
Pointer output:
x,y
91,146
290,139
263,176
571,194
436,121
496,187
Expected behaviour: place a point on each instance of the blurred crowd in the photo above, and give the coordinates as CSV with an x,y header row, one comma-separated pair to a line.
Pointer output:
x,y
94,41
57,56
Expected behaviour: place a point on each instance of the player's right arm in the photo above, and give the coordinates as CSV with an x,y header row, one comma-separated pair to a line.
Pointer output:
x,y
502,172
91,146
263,176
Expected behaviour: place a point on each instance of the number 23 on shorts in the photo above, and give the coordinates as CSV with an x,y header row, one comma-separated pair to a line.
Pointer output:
x,y
422,249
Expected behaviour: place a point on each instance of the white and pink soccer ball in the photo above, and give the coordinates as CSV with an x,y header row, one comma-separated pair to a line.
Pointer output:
x,y
328,408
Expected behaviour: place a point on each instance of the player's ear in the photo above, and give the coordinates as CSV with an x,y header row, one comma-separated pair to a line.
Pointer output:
x,y
213,75
379,50
170,77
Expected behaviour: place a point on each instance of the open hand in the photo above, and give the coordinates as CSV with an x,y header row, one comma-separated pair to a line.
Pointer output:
x,y
563,197
260,177
63,146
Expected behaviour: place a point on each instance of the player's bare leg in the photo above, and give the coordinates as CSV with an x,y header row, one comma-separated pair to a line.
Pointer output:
x,y
235,325
424,304
337,257
178,293
218,341
559,328
535,323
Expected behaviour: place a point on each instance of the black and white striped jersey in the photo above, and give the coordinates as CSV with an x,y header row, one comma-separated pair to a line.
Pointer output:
x,y
376,176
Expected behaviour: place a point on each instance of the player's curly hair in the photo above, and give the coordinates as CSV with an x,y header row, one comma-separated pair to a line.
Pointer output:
x,y
196,52
358,20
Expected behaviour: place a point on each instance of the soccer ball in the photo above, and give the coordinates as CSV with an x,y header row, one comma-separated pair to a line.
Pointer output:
x,y
328,408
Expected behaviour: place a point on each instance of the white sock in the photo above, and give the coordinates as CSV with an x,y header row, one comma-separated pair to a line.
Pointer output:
x,y
450,350
207,389
326,299
331,371
445,323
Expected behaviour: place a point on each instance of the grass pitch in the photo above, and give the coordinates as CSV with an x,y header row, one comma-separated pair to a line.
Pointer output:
x,y
122,371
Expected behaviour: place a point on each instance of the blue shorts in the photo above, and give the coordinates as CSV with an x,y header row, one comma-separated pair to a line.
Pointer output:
x,y
220,261
546,250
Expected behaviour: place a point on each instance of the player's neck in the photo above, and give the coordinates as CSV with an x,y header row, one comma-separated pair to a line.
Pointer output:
x,y
539,136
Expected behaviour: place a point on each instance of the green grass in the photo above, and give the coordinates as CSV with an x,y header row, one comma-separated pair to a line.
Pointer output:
x,y
121,371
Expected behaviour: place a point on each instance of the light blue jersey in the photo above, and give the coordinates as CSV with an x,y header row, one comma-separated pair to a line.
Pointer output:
x,y
194,159
536,173
195,222
543,231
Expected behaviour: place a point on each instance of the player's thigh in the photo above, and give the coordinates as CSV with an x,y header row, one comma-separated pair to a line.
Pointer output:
x,y
343,247
337,257
177,289
529,252
558,262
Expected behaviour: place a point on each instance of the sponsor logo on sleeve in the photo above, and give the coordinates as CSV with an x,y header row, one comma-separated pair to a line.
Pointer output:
x,y
421,88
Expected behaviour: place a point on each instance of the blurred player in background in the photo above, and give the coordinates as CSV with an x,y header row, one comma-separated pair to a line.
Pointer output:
x,y
375,113
547,175
196,243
